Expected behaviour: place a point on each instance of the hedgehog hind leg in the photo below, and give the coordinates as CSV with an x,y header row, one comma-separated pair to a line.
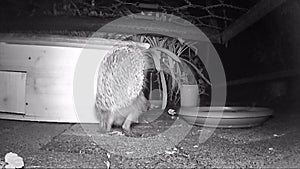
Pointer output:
x,y
102,125
110,121
105,121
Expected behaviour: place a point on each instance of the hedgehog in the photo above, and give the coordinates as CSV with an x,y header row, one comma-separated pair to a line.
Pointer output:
x,y
121,78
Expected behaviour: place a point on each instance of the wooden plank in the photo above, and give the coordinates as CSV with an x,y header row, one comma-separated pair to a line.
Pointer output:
x,y
12,92
141,23
261,9
49,85
50,69
35,58
93,42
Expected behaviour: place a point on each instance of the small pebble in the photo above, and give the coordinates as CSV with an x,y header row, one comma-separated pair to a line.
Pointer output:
x,y
107,163
172,112
276,135
170,152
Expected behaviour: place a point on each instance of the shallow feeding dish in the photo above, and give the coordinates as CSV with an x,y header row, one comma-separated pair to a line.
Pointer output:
x,y
226,117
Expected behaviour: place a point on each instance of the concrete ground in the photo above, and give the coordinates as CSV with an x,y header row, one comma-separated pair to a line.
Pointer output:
x,y
274,144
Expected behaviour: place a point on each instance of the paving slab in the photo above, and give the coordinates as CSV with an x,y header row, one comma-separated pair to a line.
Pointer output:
x,y
275,144
18,136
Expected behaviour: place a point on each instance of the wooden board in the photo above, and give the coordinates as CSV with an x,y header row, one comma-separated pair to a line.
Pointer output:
x,y
173,26
12,91
49,81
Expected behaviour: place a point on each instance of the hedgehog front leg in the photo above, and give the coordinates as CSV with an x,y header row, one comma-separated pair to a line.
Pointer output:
x,y
132,117
127,126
